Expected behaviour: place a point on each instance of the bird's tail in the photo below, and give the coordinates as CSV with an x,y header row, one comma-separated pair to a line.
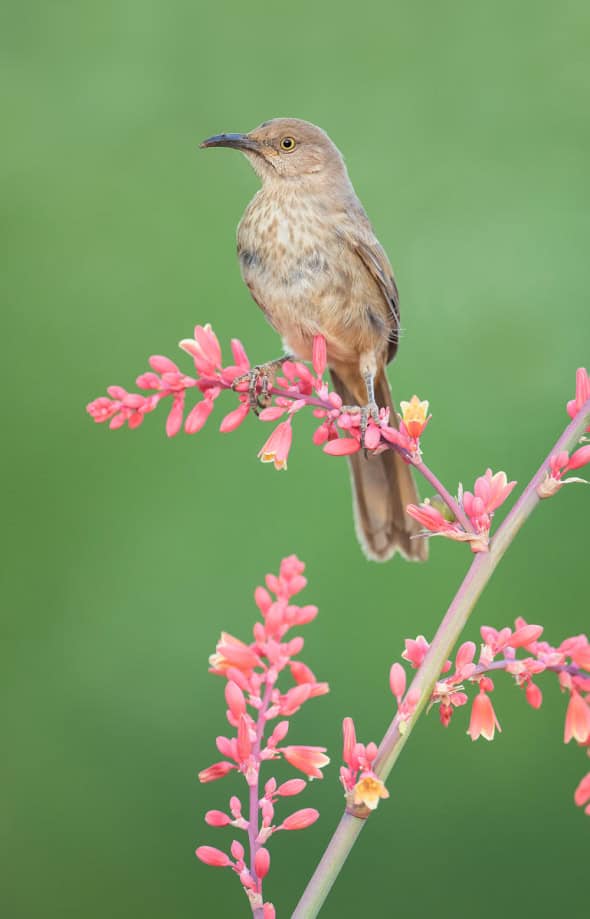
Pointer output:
x,y
382,487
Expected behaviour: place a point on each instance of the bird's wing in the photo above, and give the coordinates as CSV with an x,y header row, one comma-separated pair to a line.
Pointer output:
x,y
358,235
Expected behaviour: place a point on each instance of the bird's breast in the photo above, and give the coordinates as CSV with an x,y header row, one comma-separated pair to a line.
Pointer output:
x,y
291,258
284,246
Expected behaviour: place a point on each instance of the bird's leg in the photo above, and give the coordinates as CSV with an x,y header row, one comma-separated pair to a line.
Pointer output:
x,y
263,374
371,409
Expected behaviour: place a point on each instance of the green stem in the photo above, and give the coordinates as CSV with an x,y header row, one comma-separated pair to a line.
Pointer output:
x,y
449,631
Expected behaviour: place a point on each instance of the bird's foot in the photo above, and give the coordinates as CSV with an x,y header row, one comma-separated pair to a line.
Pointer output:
x,y
370,410
260,380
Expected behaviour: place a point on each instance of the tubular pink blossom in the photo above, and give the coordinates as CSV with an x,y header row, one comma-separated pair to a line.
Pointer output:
x,y
235,699
197,417
301,673
268,911
291,787
483,722
162,364
294,699
397,681
244,745
580,457
276,449
234,419
207,340
319,354
262,863
175,415
279,733
582,792
237,850
525,636
217,818
232,652
239,354
577,719
493,489
344,446
216,771
465,655
310,760
416,650
272,413
214,857
533,695
349,743
300,820
582,393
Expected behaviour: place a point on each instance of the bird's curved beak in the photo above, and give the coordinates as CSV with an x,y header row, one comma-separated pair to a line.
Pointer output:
x,y
237,141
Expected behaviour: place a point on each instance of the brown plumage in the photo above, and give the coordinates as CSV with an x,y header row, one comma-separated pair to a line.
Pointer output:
x,y
314,266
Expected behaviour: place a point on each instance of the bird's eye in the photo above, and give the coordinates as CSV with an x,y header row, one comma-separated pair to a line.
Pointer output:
x,y
288,144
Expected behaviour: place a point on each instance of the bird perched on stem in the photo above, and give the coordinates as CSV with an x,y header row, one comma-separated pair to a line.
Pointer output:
x,y
314,266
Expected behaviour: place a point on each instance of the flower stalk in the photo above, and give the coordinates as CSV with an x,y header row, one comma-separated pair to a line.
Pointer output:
x,y
451,627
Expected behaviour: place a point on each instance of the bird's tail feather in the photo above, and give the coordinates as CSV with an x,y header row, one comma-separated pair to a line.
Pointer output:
x,y
382,487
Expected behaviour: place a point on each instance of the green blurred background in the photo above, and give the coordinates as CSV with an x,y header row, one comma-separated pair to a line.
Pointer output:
x,y
465,128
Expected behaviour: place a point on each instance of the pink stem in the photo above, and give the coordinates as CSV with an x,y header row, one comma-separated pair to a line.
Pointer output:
x,y
553,668
255,793
451,503
449,631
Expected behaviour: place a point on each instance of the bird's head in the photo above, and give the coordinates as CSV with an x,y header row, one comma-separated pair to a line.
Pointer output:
x,y
286,148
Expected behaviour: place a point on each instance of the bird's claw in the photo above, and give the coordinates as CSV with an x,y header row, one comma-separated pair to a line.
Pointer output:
x,y
370,410
260,380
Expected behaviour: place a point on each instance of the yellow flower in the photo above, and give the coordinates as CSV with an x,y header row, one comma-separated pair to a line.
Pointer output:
x,y
415,416
368,790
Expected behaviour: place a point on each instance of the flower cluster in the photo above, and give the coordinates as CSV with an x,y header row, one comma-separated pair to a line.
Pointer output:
x,y
569,661
559,465
340,430
362,788
476,511
562,463
254,700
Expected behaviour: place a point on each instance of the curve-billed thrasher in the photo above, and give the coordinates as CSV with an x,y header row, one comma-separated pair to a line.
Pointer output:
x,y
314,266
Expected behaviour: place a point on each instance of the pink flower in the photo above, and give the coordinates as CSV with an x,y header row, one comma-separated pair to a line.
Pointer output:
x,y
231,652
300,819
319,354
343,446
204,349
577,719
533,695
276,449
397,681
262,863
217,818
483,721
234,419
416,650
582,393
211,856
435,522
559,465
582,793
217,771
310,760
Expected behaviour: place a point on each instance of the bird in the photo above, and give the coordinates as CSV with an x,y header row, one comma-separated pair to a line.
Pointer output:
x,y
313,264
